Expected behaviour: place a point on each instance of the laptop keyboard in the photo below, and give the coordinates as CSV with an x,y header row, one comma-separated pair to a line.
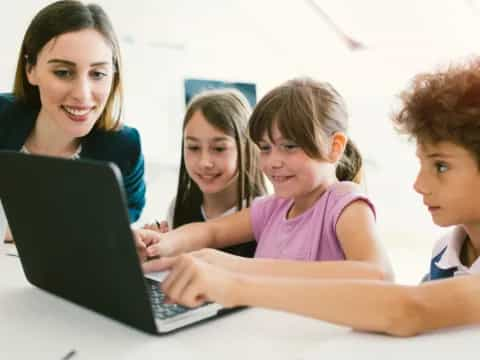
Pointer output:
x,y
162,310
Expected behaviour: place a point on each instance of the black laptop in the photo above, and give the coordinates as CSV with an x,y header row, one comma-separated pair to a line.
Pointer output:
x,y
70,224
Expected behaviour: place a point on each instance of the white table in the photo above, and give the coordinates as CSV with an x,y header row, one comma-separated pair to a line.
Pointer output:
x,y
37,325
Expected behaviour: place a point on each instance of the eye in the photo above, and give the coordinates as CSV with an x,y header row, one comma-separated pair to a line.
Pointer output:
x,y
192,148
219,149
289,147
63,73
264,148
98,75
441,167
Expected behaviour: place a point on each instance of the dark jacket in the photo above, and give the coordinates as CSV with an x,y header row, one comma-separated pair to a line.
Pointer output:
x,y
121,147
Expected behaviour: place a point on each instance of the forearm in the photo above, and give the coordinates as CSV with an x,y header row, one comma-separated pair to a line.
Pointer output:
x,y
364,305
193,236
451,302
311,269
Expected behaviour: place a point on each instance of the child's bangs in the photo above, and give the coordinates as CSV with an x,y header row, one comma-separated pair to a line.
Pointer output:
x,y
263,119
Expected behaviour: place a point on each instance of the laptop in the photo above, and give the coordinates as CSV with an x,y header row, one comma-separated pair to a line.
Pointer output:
x,y
71,227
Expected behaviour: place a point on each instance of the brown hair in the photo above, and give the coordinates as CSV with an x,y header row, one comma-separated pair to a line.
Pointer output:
x,y
227,110
54,20
444,106
307,112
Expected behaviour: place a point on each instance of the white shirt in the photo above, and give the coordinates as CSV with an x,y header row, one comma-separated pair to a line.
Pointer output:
x,y
453,243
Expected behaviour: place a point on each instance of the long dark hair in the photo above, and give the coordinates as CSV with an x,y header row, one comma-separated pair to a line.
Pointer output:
x,y
307,112
54,20
227,110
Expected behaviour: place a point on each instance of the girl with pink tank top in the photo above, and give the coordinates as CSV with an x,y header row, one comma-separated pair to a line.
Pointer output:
x,y
318,224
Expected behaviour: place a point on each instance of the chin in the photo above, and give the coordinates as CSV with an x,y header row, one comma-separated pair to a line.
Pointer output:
x,y
80,132
211,189
443,222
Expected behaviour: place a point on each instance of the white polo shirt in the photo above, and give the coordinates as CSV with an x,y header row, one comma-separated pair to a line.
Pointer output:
x,y
446,256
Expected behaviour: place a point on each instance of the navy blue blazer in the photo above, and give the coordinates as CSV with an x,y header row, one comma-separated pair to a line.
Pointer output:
x,y
121,147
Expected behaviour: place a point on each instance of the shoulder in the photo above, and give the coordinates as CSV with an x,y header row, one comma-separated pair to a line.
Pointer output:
x,y
9,104
345,188
6,100
345,196
112,145
8,107
269,203
122,146
16,121
124,139
343,193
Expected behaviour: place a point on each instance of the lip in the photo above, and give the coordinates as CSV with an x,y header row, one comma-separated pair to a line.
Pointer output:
x,y
77,113
433,208
207,177
280,178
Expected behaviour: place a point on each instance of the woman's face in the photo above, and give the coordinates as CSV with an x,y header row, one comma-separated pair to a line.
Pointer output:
x,y
210,155
74,75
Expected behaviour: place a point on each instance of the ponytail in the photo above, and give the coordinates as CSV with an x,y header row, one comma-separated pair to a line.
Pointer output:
x,y
350,166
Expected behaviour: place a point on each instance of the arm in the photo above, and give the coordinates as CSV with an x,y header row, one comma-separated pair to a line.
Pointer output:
x,y
134,183
364,305
217,233
365,257
367,305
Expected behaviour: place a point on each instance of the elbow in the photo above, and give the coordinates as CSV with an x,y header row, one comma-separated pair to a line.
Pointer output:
x,y
405,319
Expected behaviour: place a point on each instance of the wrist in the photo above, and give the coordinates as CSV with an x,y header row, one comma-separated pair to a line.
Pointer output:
x,y
237,290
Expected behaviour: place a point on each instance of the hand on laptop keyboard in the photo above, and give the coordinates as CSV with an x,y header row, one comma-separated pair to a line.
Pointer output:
x,y
193,281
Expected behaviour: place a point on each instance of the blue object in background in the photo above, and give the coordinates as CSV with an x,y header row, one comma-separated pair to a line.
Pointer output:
x,y
194,86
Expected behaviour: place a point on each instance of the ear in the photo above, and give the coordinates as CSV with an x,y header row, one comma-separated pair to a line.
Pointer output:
x,y
337,147
30,71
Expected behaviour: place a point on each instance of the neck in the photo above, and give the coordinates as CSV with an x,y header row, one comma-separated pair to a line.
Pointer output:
x,y
48,140
473,232
216,204
306,201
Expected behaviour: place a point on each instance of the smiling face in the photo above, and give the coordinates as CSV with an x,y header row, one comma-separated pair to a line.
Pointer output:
x,y
292,172
449,181
74,74
210,155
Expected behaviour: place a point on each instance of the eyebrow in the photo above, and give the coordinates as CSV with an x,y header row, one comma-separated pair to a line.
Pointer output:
x,y
215,139
71,63
437,155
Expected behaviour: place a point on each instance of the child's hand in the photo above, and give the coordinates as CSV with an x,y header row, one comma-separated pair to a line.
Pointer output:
x,y
192,281
144,239
159,226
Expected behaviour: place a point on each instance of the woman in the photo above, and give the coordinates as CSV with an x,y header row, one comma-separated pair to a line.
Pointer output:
x,y
67,96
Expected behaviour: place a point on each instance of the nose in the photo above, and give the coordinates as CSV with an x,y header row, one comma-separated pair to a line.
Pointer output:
x,y
273,160
205,160
421,184
82,89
